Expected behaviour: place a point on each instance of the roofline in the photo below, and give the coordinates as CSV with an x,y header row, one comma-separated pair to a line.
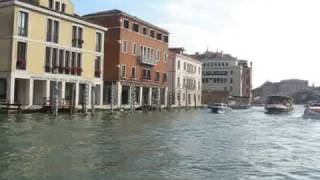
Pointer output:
x,y
189,58
47,11
121,13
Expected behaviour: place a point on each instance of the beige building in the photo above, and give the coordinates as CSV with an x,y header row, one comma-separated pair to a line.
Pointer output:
x,y
185,79
45,48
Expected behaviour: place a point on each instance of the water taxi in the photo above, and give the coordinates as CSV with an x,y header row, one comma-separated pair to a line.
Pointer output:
x,y
279,104
219,108
312,111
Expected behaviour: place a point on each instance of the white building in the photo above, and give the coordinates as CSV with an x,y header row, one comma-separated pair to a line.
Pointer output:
x,y
222,72
185,79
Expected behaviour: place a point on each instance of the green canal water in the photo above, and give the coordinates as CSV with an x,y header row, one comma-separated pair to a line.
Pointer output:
x,y
166,146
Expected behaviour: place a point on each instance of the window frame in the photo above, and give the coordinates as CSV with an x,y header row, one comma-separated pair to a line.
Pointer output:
x,y
26,23
133,72
99,42
124,25
123,72
135,49
21,61
124,49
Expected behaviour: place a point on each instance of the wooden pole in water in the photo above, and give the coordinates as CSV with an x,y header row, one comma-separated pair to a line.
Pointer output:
x,y
56,98
93,94
72,101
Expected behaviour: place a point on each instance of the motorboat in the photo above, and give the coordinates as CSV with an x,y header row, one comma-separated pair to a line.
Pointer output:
x,y
279,104
312,111
219,108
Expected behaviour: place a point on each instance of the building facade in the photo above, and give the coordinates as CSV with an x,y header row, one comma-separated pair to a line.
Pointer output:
x,y
224,73
136,56
284,87
185,79
46,50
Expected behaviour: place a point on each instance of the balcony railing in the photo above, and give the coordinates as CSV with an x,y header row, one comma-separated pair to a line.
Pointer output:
x,y
21,64
97,73
22,31
149,60
77,43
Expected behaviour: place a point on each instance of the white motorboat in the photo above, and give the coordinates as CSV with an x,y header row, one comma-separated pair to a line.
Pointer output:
x,y
219,108
279,104
312,111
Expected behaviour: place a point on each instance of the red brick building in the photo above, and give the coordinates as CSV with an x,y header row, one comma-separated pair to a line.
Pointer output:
x,y
135,61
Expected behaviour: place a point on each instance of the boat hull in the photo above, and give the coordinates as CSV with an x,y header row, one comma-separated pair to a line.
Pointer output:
x,y
277,110
310,114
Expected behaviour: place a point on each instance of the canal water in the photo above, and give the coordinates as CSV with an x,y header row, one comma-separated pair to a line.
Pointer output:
x,y
181,145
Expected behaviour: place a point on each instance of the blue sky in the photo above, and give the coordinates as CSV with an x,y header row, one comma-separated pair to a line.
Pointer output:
x,y
280,37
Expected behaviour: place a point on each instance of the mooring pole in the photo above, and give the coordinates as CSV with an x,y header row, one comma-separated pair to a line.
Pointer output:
x,y
56,99
93,99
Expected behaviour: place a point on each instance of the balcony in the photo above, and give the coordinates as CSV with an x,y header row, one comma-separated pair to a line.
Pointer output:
x,y
149,60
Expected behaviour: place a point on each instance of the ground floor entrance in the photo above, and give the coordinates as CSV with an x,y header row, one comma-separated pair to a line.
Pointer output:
x,y
36,92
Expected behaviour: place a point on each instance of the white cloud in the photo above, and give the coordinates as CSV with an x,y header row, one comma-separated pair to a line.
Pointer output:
x,y
281,37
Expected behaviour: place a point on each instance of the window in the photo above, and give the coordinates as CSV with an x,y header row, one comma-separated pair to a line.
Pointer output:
x,y
158,55
57,6
136,27
178,65
152,33
73,63
157,76
146,74
63,7
123,71
126,24
3,89
159,36
98,42
52,31
77,37
48,60
184,66
231,80
166,39
67,63
23,24
231,72
145,31
124,46
61,61
54,60
165,77
97,67
51,4
165,57
21,55
135,49
133,72
178,82
79,64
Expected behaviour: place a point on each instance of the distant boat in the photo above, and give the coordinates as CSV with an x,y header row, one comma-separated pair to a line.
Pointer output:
x,y
312,110
219,108
279,104
239,102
